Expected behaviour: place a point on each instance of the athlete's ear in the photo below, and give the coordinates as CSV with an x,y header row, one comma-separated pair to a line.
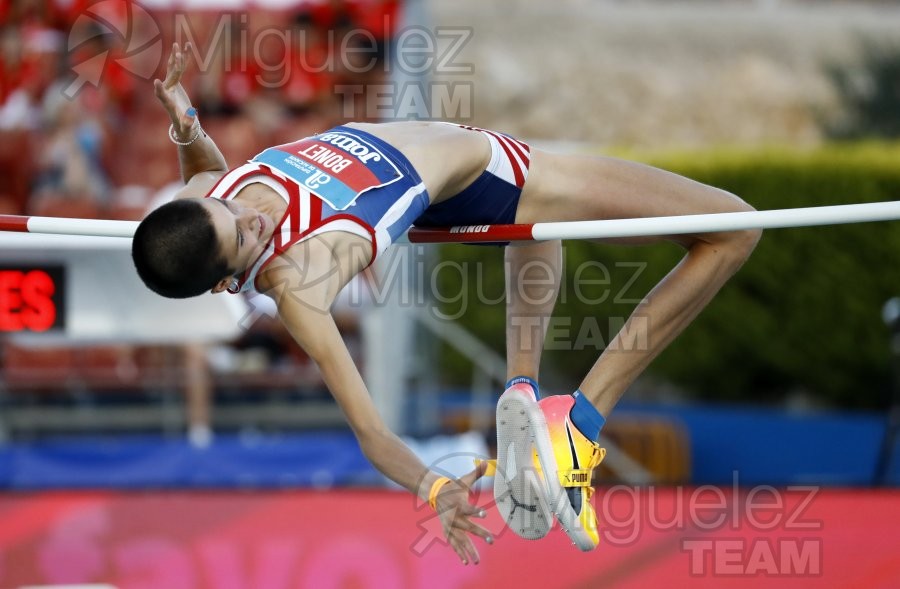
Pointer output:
x,y
222,285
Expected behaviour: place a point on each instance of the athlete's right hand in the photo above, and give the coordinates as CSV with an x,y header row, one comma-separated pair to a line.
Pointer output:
x,y
456,513
172,95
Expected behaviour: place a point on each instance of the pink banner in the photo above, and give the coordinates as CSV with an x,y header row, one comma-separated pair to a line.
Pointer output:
x,y
702,537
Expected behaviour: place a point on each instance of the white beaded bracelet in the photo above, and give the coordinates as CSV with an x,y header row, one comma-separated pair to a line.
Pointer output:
x,y
175,140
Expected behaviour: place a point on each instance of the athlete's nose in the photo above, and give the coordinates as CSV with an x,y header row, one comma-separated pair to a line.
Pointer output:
x,y
247,216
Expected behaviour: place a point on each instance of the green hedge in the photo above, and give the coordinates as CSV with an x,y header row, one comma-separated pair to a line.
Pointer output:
x,y
804,314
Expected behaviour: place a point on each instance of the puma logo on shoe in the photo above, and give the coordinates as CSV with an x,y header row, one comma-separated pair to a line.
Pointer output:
x,y
525,506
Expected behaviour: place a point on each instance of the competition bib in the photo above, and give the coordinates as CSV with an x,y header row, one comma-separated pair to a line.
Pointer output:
x,y
336,166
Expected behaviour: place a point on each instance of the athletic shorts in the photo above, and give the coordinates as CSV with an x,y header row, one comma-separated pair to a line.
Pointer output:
x,y
492,198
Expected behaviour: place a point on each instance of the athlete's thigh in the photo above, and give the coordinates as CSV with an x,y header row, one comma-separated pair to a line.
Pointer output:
x,y
584,187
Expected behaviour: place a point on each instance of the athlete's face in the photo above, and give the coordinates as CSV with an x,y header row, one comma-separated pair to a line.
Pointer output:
x,y
242,233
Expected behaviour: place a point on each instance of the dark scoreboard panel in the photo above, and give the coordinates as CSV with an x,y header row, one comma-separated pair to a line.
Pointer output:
x,y
32,298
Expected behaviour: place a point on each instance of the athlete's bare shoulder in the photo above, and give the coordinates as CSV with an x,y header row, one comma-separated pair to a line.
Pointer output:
x,y
199,185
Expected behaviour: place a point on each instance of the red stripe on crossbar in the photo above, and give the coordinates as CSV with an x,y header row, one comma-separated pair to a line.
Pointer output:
x,y
473,234
14,223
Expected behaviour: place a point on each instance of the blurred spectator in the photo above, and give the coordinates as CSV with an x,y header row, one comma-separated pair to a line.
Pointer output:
x,y
69,159
29,58
96,55
381,18
232,81
375,22
198,388
30,62
360,48
30,13
309,85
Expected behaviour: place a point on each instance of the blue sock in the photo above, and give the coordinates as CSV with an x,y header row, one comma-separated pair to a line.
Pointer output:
x,y
526,380
586,417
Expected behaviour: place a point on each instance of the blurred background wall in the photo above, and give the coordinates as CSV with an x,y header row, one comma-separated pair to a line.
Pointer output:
x,y
660,75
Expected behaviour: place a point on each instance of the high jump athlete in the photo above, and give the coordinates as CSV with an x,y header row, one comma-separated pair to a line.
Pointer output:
x,y
299,220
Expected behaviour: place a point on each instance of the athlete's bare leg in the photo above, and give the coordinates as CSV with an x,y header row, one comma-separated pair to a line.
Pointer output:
x,y
578,188
532,284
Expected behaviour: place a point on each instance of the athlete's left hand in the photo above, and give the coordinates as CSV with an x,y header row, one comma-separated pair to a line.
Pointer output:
x,y
172,94
456,515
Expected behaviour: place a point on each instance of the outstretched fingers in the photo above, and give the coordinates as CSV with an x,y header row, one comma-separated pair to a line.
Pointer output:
x,y
171,94
457,515
464,547
466,524
177,64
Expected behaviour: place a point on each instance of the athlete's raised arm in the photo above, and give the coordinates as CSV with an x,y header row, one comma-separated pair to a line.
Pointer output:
x,y
197,153
304,286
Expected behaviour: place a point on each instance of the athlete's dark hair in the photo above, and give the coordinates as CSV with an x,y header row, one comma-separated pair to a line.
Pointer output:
x,y
176,252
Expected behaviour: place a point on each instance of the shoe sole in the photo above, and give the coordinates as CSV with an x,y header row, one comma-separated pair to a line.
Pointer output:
x,y
556,494
519,499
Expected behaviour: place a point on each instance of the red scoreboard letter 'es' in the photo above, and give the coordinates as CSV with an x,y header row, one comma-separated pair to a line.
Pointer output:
x,y
26,301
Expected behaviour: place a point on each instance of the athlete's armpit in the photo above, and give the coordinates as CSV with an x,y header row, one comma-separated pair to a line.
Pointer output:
x,y
199,185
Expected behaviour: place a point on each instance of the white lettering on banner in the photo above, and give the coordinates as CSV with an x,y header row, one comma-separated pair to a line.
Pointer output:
x,y
329,159
351,146
341,165
317,180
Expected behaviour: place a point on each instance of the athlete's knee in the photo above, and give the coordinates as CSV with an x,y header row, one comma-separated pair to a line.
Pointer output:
x,y
743,243
738,245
